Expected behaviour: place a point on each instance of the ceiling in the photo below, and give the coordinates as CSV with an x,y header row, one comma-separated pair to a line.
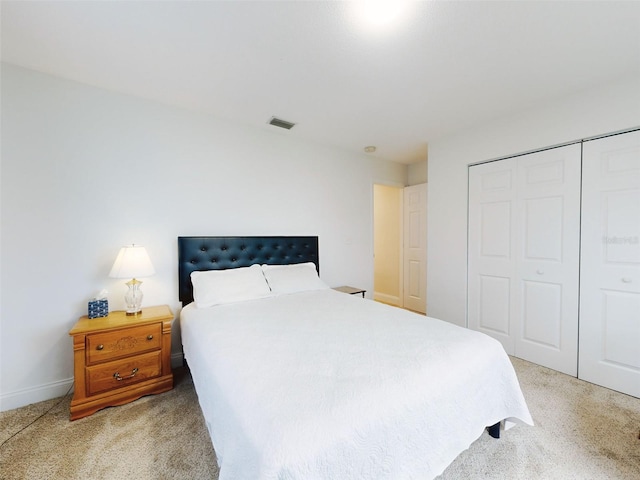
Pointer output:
x,y
441,67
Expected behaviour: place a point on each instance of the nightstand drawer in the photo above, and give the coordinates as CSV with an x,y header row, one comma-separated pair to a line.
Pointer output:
x,y
121,343
108,376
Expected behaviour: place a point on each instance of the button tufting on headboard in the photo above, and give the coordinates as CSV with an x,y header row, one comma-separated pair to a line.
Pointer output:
x,y
234,252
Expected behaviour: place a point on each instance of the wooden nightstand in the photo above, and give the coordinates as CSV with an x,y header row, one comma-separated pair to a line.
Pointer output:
x,y
350,290
120,358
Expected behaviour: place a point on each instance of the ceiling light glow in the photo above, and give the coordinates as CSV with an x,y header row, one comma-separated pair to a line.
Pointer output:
x,y
380,13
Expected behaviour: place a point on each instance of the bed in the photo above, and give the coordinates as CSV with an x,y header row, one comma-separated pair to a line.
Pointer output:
x,y
298,381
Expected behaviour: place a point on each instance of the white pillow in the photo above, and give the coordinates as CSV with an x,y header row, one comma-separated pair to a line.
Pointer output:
x,y
215,287
298,277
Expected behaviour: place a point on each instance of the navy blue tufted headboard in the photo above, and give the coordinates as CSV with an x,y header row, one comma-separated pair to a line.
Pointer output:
x,y
218,253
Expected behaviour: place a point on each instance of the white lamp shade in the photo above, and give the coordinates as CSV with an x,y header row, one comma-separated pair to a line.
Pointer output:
x,y
132,262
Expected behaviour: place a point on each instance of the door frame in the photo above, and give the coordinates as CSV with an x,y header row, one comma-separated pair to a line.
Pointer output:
x,y
401,187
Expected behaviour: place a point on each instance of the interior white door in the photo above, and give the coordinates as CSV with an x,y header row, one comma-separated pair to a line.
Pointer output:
x,y
610,272
524,234
415,248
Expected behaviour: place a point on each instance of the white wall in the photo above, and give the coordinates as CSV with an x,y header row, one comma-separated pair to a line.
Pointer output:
x,y
85,171
601,110
417,173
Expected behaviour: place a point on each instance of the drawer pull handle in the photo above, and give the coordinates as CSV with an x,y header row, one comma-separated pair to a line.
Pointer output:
x,y
119,378
149,337
100,347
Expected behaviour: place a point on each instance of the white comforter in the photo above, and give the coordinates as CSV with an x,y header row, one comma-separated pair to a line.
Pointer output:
x,y
323,385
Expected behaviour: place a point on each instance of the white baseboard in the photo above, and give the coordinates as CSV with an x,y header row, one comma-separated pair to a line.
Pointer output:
x,y
30,395
47,391
385,298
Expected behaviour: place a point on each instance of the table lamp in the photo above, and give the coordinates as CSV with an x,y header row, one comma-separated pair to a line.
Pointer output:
x,y
132,262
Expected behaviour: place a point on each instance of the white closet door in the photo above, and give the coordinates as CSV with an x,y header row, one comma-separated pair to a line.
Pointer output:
x,y
492,260
610,272
549,258
524,227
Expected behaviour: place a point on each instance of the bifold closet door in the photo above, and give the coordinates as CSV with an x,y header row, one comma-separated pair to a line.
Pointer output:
x,y
492,269
524,237
610,268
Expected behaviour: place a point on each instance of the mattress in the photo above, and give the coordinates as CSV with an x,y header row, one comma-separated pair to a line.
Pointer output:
x,y
324,385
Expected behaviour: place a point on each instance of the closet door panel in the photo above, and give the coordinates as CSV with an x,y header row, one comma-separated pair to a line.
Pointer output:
x,y
542,314
620,329
491,243
543,229
494,268
494,304
495,235
610,271
548,258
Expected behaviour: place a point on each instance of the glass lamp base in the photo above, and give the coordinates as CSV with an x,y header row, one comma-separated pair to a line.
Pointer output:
x,y
133,298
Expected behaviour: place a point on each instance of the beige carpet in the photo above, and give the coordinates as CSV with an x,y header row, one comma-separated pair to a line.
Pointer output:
x,y
582,432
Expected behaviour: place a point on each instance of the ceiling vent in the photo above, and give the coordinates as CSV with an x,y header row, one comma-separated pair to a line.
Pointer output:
x,y
277,122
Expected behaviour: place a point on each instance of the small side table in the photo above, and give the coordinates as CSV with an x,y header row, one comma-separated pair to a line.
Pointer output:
x,y
119,358
350,290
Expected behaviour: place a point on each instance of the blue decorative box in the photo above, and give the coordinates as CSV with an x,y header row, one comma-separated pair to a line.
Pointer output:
x,y
98,308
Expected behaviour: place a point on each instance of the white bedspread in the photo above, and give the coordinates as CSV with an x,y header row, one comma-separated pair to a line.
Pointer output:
x,y
324,385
